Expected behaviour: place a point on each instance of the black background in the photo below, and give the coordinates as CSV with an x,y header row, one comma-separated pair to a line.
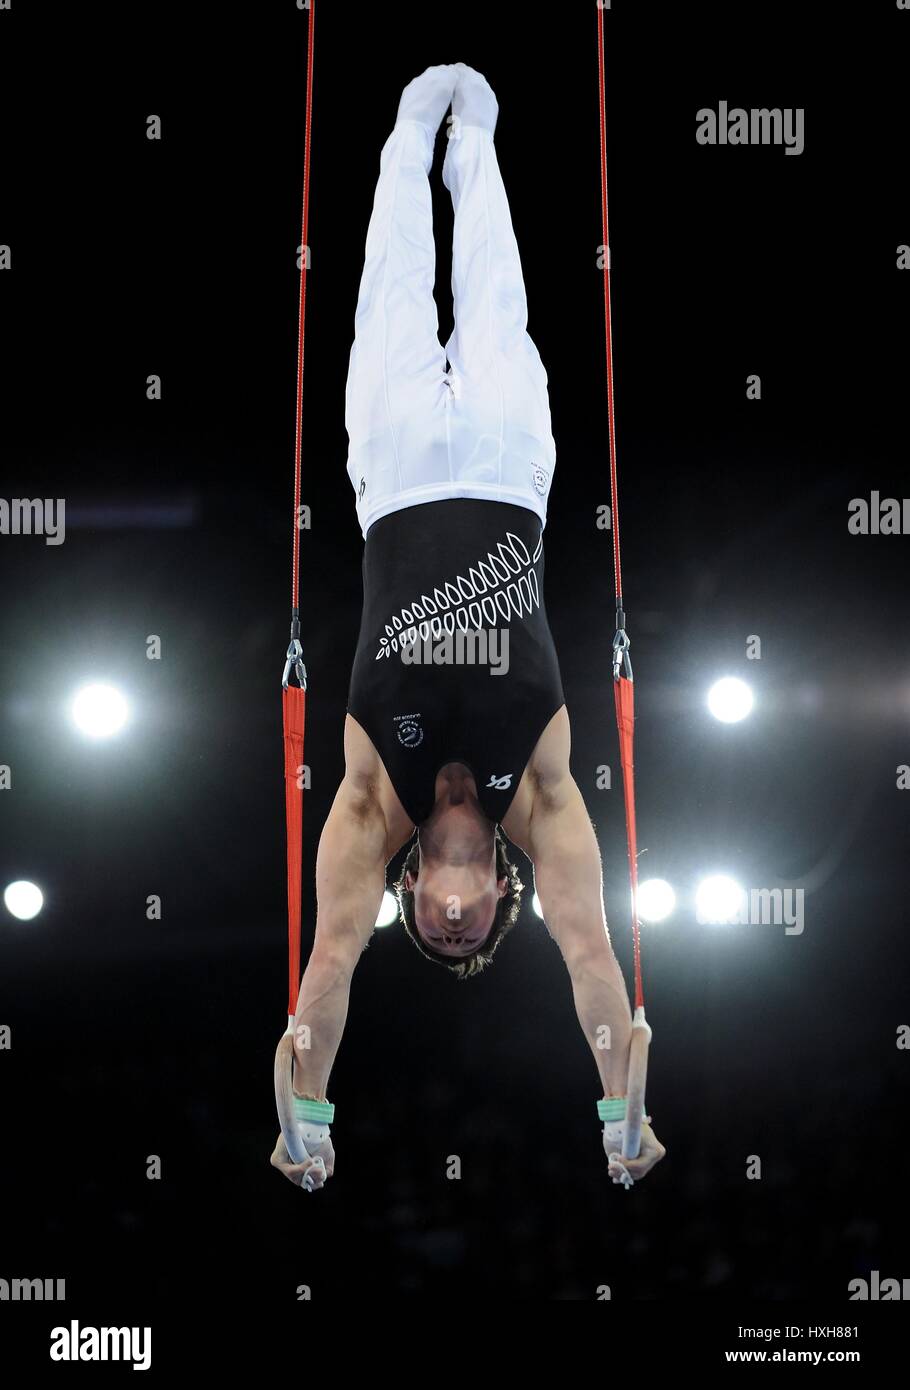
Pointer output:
x,y
177,257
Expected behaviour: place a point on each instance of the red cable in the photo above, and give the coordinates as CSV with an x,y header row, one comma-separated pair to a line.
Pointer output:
x,y
608,322
301,320
294,697
623,688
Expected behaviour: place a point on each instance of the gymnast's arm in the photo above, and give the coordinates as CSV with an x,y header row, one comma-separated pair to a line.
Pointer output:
x,y
350,881
567,876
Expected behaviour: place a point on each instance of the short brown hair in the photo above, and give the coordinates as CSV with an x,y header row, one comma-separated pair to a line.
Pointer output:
x,y
504,918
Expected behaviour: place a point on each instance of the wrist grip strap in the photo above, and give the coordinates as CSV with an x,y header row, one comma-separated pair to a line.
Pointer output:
x,y
611,1109
319,1112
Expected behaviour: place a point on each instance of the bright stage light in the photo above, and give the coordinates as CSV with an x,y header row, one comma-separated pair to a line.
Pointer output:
x,y
388,911
730,700
99,711
720,900
23,899
535,903
656,900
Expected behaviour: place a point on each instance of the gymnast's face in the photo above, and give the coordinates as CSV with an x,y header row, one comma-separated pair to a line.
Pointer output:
x,y
456,890
454,905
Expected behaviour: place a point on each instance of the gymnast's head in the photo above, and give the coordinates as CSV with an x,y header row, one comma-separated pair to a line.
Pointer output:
x,y
457,897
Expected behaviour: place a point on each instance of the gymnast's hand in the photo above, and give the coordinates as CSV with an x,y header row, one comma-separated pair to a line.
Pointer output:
x,y
310,1175
651,1152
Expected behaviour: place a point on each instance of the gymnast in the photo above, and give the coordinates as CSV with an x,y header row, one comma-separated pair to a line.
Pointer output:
x,y
452,458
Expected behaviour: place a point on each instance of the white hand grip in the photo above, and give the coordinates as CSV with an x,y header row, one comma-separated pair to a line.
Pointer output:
x,y
635,1091
284,1099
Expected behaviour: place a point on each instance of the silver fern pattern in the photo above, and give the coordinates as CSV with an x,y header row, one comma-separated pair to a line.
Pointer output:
x,y
497,589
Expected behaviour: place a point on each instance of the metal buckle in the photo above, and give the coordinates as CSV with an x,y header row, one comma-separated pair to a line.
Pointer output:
x,y
294,663
621,659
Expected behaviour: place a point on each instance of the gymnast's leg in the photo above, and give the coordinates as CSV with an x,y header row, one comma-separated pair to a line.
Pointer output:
x,y
499,379
397,365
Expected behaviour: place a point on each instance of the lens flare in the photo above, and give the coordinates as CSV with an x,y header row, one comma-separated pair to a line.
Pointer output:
x,y
730,700
656,900
388,910
99,711
23,899
720,900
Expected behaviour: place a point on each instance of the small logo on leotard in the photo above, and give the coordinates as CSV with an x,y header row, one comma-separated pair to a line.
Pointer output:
x,y
363,488
501,784
410,730
540,477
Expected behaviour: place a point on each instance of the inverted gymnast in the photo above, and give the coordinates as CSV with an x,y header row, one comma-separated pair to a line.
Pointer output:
x,y
452,459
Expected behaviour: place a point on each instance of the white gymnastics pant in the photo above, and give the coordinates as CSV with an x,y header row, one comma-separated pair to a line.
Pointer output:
x,y
418,433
